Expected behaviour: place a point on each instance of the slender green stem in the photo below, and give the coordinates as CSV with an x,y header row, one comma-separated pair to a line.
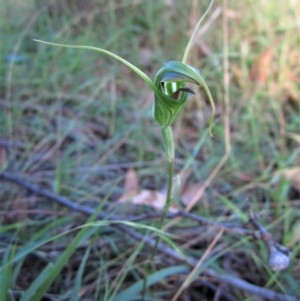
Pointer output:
x,y
170,150
168,200
169,146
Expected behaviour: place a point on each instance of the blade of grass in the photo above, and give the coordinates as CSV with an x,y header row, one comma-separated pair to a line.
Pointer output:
x,y
134,290
243,216
188,47
77,284
6,272
125,269
41,284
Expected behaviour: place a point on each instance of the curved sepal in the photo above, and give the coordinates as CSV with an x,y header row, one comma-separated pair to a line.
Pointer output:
x,y
170,81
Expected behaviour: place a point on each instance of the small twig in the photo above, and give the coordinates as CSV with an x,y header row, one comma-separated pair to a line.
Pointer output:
x,y
278,254
12,213
253,218
253,289
9,143
163,248
203,221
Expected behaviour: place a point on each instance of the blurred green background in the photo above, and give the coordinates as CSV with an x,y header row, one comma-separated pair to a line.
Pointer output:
x,y
75,121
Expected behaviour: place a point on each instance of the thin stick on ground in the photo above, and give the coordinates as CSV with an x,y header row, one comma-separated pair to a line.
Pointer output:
x,y
203,221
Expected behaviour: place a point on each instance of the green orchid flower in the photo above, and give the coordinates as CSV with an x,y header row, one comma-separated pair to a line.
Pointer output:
x,y
171,96
170,80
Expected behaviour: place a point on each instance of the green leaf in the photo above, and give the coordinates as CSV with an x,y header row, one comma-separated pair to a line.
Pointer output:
x,y
41,284
31,293
132,67
126,268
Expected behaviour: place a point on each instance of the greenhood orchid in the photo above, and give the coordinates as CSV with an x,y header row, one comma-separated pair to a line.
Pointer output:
x,y
170,81
170,95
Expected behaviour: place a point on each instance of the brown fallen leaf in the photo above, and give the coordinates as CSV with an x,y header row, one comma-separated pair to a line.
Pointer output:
x,y
146,197
292,174
157,199
260,70
131,181
188,192
133,195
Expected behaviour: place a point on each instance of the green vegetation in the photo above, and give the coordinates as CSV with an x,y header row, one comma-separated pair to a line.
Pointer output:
x,y
74,121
